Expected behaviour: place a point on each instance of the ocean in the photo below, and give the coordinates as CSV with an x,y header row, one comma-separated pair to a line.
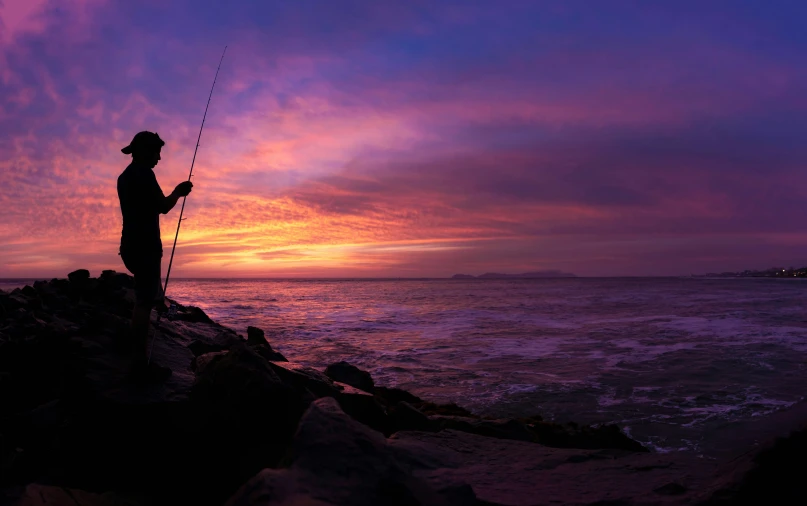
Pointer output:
x,y
672,361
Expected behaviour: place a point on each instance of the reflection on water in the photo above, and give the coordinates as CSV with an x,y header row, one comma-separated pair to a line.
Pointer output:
x,y
671,360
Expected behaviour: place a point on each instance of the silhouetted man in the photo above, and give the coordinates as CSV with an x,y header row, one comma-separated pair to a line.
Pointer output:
x,y
141,202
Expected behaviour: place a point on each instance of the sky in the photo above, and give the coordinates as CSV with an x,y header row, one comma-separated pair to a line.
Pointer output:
x,y
410,139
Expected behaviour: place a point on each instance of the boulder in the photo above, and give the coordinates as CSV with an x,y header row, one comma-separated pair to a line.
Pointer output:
x,y
257,339
450,409
193,314
519,473
252,412
404,416
200,362
364,408
305,378
79,276
256,336
392,396
29,291
352,375
336,461
268,353
774,474
574,436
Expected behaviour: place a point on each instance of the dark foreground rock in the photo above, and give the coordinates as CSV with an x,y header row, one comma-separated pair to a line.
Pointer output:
x,y
352,375
238,422
336,460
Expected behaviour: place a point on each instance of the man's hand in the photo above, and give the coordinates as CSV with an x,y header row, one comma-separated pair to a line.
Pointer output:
x,y
183,189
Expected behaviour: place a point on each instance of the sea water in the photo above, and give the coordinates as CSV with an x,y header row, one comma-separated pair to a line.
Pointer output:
x,y
671,361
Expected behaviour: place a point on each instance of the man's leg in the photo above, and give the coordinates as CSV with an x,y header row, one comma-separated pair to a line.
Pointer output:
x,y
141,319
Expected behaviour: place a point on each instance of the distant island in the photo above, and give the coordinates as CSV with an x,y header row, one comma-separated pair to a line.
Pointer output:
x,y
535,274
773,272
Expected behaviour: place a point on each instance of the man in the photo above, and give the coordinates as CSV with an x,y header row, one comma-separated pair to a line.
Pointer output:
x,y
141,202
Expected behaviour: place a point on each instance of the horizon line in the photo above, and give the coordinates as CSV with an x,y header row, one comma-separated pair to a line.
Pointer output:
x,y
48,278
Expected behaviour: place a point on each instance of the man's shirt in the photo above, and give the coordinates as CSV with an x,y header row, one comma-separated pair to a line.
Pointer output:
x,y
141,199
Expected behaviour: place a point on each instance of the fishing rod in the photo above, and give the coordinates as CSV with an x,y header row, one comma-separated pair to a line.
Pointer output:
x,y
172,309
190,174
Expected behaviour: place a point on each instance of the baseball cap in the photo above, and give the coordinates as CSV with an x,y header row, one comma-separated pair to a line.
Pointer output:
x,y
143,141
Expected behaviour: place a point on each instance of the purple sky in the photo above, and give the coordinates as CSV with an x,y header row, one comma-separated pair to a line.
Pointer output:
x,y
411,138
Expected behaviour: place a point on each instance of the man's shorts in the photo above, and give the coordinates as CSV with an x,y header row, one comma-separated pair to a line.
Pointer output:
x,y
146,271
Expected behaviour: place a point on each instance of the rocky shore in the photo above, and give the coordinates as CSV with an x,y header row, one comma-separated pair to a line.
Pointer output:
x,y
239,424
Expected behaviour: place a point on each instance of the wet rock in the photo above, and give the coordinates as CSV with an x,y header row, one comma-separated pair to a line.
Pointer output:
x,y
79,276
256,336
336,461
268,353
450,409
392,396
574,436
352,375
502,429
193,314
503,471
304,378
257,339
364,408
404,416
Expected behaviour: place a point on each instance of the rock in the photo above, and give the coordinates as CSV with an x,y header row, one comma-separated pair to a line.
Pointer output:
x,y
79,276
337,461
305,378
364,408
268,353
29,291
517,473
252,412
46,495
193,314
16,301
392,396
352,375
257,339
107,275
503,429
256,336
573,436
404,416
198,347
200,362
549,434
450,409
772,475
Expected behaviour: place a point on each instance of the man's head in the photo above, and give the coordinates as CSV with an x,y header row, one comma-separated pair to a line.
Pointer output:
x,y
145,148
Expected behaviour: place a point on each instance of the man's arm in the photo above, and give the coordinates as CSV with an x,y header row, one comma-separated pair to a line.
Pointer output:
x,y
169,202
165,204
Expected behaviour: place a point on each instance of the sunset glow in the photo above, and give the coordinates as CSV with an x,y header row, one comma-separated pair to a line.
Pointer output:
x,y
409,139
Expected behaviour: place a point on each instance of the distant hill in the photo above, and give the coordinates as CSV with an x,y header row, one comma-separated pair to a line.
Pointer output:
x,y
535,274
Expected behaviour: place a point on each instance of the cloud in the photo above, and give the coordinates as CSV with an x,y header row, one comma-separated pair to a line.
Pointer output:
x,y
409,139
